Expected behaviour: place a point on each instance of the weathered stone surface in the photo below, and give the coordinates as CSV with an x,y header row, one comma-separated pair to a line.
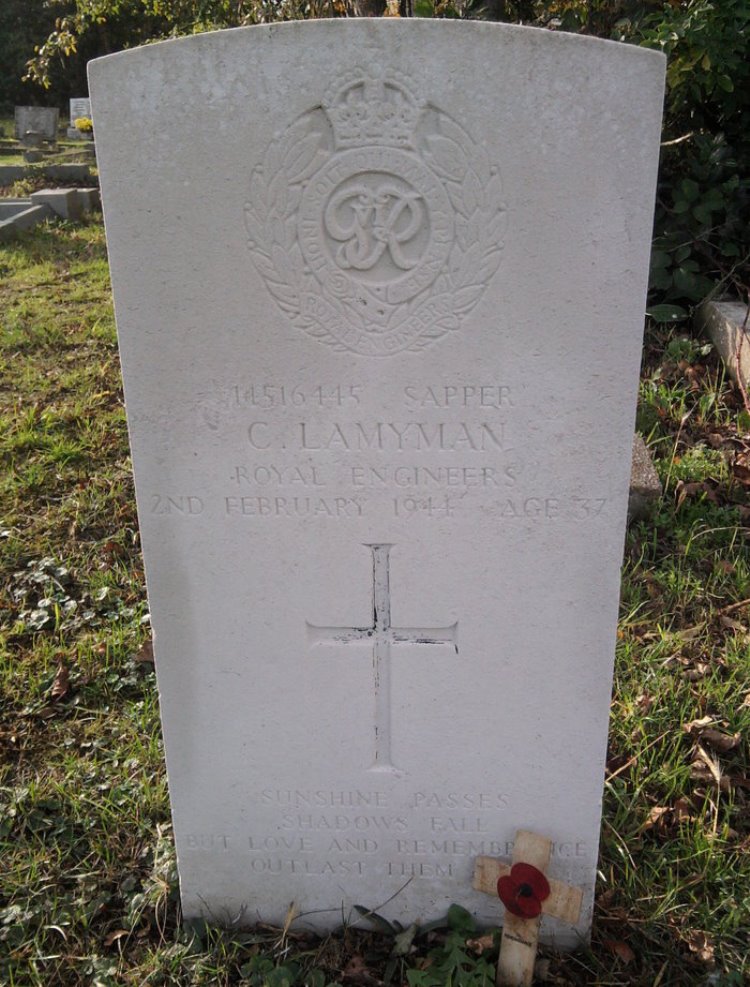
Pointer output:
x,y
22,219
62,173
727,323
64,202
380,291
11,207
68,172
11,173
645,485
38,120
89,199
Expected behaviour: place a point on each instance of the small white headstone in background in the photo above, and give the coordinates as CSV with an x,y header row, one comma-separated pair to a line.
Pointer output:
x,y
381,359
36,120
80,108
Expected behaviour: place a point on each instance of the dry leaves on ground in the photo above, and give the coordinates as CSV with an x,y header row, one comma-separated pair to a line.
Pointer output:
x,y
620,949
706,730
356,971
61,684
146,654
479,945
662,818
701,944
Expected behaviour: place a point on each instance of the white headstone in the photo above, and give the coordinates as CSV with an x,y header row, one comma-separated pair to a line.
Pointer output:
x,y
37,120
381,356
80,108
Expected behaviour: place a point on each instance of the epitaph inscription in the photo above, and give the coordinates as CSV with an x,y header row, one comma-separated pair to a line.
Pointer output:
x,y
375,220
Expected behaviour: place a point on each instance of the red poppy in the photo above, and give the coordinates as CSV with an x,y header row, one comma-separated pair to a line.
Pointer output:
x,y
523,890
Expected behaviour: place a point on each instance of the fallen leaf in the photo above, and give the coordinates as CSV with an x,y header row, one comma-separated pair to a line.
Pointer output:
x,y
61,684
356,970
741,468
403,942
479,945
719,740
605,899
663,818
681,810
690,633
696,672
734,625
652,587
695,726
700,943
691,490
146,654
620,949
617,763
656,818
705,730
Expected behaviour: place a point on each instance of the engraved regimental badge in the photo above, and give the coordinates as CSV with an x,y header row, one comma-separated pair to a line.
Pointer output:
x,y
375,220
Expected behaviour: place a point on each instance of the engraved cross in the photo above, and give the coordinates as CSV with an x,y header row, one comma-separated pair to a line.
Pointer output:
x,y
383,636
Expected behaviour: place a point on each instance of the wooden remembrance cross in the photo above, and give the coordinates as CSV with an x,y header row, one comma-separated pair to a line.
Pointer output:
x,y
515,965
382,635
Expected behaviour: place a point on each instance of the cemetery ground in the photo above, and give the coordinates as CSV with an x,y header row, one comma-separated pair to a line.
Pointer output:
x,y
65,152
88,889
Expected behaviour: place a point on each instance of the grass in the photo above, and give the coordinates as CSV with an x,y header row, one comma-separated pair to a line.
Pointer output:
x,y
64,154
88,885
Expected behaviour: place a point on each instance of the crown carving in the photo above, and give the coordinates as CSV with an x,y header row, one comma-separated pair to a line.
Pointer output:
x,y
364,112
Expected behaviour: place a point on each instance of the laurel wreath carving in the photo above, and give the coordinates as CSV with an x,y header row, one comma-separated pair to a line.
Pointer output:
x,y
474,190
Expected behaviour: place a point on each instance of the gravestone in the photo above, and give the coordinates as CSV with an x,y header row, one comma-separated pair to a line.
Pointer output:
x,y
80,108
40,120
381,359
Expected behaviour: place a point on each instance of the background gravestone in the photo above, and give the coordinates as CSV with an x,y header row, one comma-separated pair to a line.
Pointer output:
x,y
80,108
381,361
38,120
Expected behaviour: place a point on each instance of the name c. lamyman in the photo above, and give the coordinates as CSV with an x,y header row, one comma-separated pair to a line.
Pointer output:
x,y
385,436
